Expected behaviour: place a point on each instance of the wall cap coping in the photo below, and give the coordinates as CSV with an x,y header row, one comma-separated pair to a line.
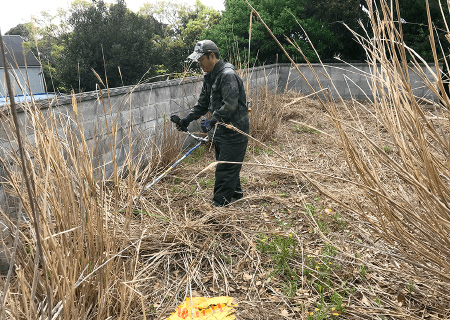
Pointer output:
x,y
94,95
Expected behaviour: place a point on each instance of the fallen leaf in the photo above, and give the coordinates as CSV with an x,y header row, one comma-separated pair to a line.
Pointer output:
x,y
365,301
284,313
247,277
303,292
401,300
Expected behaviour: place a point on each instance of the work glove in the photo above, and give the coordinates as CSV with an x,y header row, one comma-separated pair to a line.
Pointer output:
x,y
181,124
207,124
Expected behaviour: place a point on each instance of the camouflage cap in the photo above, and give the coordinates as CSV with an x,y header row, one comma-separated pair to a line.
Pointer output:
x,y
201,48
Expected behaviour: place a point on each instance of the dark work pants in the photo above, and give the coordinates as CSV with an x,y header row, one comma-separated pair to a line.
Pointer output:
x,y
228,182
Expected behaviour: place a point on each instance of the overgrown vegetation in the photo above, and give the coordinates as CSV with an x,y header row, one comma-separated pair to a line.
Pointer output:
x,y
300,244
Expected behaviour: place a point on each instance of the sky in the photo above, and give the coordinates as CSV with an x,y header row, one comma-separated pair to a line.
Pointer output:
x,y
13,12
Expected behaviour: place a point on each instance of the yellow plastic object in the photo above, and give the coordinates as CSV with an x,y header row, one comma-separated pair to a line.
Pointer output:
x,y
217,308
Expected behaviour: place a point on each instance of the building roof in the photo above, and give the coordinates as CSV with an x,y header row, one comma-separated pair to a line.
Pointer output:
x,y
14,53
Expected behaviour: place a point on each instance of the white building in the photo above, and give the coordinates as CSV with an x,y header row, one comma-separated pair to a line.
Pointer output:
x,y
25,70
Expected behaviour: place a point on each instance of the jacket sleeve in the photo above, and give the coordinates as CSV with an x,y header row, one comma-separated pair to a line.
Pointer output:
x,y
230,97
201,107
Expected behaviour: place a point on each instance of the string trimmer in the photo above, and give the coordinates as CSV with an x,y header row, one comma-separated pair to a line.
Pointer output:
x,y
199,140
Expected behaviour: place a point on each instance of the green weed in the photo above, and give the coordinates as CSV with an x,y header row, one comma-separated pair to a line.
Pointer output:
x,y
410,286
284,224
176,180
323,226
281,250
207,183
224,258
337,219
303,129
318,271
363,271
329,250
311,209
196,155
257,150
326,220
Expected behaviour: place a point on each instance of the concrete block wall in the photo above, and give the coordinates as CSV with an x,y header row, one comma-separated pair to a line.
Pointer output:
x,y
351,82
138,111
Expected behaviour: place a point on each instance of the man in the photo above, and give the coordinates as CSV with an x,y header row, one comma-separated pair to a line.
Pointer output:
x,y
223,95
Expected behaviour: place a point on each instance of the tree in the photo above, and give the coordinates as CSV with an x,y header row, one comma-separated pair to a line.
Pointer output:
x,y
111,40
165,12
42,36
22,29
47,45
414,22
185,27
286,18
338,16
194,21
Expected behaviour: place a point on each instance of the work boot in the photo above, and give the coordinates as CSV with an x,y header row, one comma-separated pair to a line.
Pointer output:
x,y
216,204
237,196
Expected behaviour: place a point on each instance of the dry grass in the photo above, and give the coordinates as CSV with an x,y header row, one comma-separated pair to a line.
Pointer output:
x,y
141,262
110,256
414,213
84,231
266,114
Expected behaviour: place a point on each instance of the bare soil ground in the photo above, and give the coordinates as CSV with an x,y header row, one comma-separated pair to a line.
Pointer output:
x,y
285,251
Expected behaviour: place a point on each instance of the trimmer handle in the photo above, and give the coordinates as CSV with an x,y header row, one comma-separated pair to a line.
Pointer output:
x,y
180,126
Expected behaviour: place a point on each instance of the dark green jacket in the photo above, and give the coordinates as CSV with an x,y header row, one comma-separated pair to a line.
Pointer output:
x,y
223,94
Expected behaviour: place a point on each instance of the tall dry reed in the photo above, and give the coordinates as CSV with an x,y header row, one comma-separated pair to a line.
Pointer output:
x,y
87,254
266,114
406,191
409,188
